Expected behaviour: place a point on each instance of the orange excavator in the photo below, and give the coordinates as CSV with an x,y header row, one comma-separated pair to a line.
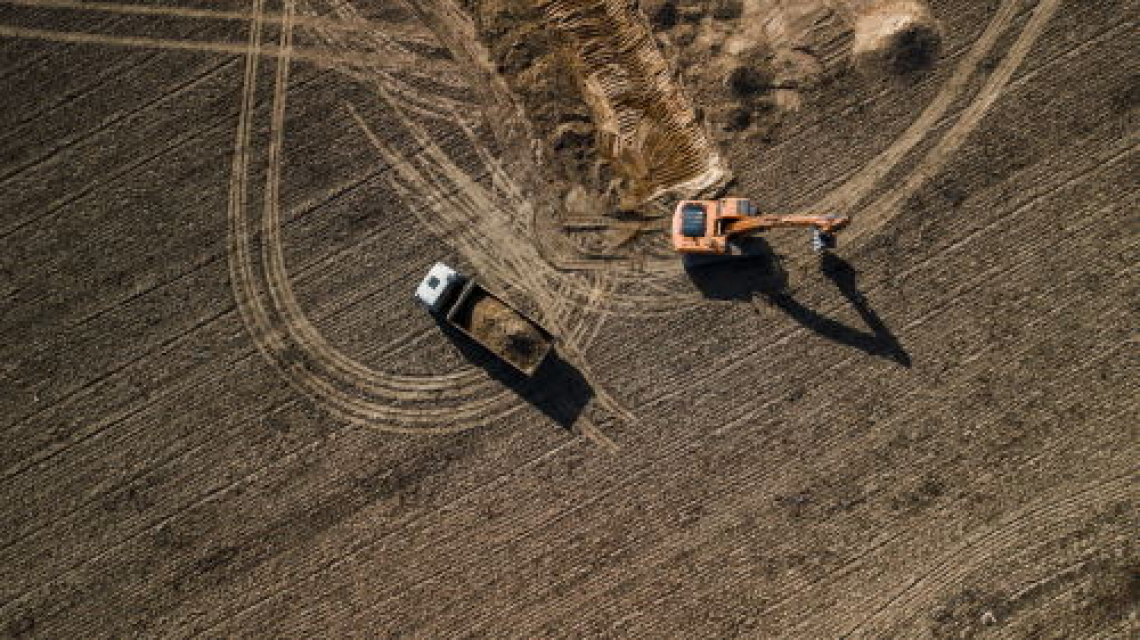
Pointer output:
x,y
714,228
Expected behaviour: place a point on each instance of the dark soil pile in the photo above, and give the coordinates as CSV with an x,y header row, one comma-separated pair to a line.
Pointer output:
x,y
507,333
902,50
532,57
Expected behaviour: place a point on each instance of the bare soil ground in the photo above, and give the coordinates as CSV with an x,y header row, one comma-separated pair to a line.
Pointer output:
x,y
224,415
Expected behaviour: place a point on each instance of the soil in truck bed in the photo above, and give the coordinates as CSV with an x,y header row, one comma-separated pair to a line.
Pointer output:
x,y
505,332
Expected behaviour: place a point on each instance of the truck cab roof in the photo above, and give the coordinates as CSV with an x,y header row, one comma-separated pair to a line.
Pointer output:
x,y
437,286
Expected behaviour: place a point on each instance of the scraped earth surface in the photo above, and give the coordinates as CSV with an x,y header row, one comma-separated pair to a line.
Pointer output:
x,y
224,415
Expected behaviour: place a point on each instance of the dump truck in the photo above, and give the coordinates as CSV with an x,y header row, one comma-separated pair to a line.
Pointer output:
x,y
485,318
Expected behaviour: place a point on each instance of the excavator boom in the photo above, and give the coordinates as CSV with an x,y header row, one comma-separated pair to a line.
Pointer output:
x,y
756,224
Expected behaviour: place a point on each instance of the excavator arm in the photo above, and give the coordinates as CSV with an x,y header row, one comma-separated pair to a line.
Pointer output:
x,y
754,224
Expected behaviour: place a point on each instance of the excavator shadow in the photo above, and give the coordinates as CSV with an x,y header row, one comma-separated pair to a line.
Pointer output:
x,y
557,388
740,277
761,276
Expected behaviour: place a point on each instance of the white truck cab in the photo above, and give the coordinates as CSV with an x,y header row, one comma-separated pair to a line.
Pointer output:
x,y
438,285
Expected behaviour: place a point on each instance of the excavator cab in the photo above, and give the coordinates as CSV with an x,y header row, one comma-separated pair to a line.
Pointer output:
x,y
703,227
694,220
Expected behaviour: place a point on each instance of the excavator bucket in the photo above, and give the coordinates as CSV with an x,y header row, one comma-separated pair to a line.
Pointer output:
x,y
822,241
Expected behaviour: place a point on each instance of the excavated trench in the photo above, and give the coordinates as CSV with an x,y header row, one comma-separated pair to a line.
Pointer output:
x,y
646,124
612,116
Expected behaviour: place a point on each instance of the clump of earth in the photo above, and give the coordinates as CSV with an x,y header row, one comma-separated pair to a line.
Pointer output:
x,y
736,91
506,332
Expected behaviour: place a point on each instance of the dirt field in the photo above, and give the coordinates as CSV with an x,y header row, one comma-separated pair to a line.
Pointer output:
x,y
224,415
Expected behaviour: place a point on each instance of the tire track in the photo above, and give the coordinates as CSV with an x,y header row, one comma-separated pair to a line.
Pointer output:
x,y
875,215
454,28
87,89
46,52
326,375
847,196
1019,82
137,9
429,102
348,366
425,69
479,225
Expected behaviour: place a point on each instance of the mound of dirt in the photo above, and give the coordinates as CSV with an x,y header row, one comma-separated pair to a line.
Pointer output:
x,y
506,332
900,39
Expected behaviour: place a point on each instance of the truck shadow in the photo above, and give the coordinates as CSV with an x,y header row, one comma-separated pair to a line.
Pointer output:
x,y
557,388
762,276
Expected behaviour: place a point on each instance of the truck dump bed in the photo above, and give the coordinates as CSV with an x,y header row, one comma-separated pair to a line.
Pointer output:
x,y
504,331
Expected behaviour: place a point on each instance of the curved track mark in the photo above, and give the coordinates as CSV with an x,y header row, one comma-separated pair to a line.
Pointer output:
x,y
282,332
846,197
284,335
875,215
